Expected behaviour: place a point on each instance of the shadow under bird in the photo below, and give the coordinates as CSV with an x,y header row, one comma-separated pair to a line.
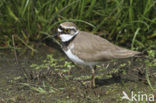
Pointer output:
x,y
87,49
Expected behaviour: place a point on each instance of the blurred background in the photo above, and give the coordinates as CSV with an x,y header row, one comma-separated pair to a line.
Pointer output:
x,y
125,22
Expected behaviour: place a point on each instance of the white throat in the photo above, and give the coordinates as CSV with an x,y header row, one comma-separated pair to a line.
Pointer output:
x,y
67,37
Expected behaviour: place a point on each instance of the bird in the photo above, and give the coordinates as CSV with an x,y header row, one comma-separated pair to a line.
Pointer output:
x,y
85,48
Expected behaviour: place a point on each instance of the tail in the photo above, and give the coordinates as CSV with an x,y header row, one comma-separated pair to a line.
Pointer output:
x,y
125,53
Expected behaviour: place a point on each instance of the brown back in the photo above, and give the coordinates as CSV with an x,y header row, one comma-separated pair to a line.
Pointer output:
x,y
90,47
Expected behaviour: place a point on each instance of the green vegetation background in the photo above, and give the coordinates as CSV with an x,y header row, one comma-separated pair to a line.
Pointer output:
x,y
125,22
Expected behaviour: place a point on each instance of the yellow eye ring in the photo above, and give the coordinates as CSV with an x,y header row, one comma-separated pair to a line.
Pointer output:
x,y
67,30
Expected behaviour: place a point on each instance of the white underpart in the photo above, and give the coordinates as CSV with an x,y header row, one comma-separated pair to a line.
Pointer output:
x,y
76,59
73,57
67,37
67,27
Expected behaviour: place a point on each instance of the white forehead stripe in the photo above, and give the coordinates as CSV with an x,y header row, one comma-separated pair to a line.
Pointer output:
x,y
67,27
59,30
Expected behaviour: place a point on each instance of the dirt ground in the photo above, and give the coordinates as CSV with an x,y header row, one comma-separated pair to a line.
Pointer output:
x,y
19,83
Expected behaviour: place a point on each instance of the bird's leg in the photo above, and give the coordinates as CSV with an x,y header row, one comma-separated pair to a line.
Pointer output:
x,y
93,76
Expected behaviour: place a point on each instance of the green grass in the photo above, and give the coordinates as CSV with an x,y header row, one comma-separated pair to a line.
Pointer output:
x,y
30,19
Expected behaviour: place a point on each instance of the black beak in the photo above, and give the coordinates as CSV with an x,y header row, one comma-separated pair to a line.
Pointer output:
x,y
54,35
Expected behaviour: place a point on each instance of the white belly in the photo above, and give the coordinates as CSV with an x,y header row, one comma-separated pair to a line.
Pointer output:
x,y
76,59
73,57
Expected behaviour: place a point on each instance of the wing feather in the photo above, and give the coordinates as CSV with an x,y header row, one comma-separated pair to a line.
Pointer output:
x,y
98,49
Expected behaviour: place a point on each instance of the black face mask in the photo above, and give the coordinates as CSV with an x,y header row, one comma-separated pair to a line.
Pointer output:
x,y
62,29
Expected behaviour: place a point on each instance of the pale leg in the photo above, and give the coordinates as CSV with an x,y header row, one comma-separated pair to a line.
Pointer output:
x,y
93,76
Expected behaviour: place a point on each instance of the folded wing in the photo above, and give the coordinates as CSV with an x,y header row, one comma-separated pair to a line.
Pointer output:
x,y
99,49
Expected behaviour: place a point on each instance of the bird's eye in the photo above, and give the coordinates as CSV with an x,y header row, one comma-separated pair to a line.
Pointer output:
x,y
67,30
